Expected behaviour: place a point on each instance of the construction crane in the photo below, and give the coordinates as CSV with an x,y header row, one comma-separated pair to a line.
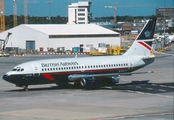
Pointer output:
x,y
25,12
115,9
2,17
14,13
4,42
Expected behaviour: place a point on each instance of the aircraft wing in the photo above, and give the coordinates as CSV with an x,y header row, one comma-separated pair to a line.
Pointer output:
x,y
75,77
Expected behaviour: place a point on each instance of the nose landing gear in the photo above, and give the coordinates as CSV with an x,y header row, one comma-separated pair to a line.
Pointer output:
x,y
26,88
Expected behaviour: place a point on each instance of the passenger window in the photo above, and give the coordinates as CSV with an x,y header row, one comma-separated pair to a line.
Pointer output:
x,y
22,69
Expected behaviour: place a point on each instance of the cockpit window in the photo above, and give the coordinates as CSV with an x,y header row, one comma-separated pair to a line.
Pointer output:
x,y
18,69
14,69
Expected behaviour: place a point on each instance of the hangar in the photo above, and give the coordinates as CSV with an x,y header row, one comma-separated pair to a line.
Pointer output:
x,y
46,36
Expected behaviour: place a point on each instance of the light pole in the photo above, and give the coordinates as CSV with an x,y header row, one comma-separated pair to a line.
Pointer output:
x,y
49,3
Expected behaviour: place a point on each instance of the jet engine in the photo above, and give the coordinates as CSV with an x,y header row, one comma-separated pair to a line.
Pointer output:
x,y
89,83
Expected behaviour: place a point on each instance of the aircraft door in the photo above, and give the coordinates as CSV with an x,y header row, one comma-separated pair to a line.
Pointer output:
x,y
130,61
36,71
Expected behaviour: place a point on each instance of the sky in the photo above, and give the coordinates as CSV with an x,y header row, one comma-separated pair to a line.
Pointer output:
x,y
60,7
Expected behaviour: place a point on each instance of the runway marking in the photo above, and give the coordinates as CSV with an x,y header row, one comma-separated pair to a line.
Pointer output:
x,y
163,85
170,86
143,93
137,86
130,91
154,85
134,116
140,92
149,88
162,90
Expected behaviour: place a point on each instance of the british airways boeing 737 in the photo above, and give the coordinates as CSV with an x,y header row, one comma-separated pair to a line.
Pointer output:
x,y
88,72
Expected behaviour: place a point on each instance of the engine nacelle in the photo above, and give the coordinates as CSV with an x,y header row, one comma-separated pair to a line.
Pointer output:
x,y
89,83
115,80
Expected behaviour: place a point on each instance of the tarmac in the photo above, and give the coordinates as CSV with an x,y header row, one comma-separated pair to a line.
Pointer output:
x,y
133,98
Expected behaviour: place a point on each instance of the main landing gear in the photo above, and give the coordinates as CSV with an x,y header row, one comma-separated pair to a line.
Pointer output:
x,y
26,88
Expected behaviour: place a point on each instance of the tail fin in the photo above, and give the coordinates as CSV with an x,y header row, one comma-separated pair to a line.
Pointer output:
x,y
143,42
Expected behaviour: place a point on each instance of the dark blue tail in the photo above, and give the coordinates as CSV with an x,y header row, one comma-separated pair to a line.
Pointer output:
x,y
148,31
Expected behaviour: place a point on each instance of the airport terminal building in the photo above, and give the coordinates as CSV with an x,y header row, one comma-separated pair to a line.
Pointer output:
x,y
42,37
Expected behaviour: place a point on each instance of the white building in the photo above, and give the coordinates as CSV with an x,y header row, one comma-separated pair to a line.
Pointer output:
x,y
79,13
34,37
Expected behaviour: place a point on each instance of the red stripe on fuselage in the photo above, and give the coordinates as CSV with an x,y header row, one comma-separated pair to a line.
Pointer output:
x,y
145,45
48,76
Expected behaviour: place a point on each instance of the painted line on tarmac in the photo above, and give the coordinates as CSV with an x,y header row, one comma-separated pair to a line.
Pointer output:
x,y
170,87
134,116
143,93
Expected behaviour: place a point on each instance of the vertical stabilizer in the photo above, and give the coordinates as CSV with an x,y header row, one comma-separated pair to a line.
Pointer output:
x,y
143,42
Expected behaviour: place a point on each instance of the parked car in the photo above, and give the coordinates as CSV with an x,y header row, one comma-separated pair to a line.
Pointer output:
x,y
3,54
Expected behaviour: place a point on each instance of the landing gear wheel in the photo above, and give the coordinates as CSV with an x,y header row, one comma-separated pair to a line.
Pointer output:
x,y
26,88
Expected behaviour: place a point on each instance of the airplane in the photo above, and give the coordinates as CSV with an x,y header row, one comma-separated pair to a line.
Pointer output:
x,y
87,72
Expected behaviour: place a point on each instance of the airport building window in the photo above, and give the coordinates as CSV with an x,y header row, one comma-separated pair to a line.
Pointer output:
x,y
84,36
81,14
80,10
81,18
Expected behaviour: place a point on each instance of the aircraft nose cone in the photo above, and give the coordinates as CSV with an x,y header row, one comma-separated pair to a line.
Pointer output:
x,y
5,77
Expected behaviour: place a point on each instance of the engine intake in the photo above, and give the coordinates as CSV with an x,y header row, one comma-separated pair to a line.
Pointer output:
x,y
89,83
